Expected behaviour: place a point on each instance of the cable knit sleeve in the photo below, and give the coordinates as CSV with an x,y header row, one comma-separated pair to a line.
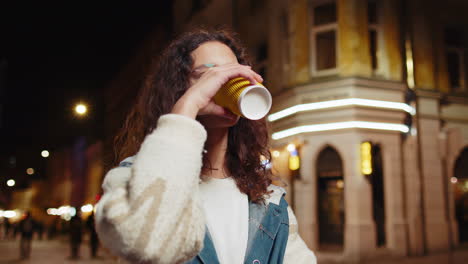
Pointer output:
x,y
150,211
297,251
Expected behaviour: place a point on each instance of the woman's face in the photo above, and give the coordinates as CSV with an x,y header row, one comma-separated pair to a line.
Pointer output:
x,y
213,53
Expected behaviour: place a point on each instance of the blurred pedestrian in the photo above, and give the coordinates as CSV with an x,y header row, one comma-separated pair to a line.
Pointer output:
x,y
15,229
6,228
40,229
26,229
2,230
75,236
52,230
93,237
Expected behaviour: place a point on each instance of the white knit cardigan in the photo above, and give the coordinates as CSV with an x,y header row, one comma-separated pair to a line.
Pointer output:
x,y
151,212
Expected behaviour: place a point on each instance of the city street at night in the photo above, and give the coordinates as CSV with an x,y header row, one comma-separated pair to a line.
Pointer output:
x,y
50,251
458,256
57,251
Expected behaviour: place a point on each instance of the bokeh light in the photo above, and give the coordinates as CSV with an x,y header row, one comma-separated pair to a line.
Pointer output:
x,y
30,171
11,182
45,153
81,109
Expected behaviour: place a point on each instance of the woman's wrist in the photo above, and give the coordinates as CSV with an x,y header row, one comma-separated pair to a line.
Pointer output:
x,y
185,107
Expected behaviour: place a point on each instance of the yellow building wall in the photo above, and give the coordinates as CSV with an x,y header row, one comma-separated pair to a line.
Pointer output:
x,y
391,62
299,42
353,39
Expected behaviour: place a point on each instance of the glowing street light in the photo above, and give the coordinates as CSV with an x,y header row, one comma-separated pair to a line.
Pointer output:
x,y
11,182
87,208
30,171
291,147
45,153
366,158
81,109
9,214
294,161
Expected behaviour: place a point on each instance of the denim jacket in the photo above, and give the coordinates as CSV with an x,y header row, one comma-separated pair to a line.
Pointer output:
x,y
267,238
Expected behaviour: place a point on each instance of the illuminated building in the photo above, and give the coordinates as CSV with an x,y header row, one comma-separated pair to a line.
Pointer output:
x,y
344,72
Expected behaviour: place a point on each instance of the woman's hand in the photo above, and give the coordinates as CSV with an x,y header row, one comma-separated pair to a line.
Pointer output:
x,y
197,100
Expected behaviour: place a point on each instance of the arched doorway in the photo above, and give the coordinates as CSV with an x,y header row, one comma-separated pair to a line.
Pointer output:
x,y
460,190
378,202
330,193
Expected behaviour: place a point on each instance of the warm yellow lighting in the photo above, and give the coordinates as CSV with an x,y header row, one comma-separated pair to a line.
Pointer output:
x,y
9,214
81,109
366,158
66,212
294,162
409,64
291,147
299,108
454,180
276,153
30,171
339,125
11,182
340,184
52,211
45,153
87,208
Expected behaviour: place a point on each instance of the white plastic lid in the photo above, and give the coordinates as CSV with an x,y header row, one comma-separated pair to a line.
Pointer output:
x,y
255,102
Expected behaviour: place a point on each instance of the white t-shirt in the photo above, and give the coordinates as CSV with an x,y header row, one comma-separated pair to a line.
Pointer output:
x,y
227,216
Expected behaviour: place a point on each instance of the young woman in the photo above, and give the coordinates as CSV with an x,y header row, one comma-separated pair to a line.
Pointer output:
x,y
194,189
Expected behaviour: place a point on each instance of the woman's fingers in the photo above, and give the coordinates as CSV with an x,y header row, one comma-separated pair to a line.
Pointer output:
x,y
229,71
199,95
212,109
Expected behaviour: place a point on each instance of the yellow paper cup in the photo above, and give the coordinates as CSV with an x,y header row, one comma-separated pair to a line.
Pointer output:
x,y
252,101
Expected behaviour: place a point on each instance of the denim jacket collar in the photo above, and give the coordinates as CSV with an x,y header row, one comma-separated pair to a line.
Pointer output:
x,y
265,236
208,253
265,221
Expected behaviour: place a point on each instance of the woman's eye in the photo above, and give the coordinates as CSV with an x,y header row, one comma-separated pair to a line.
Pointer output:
x,y
197,74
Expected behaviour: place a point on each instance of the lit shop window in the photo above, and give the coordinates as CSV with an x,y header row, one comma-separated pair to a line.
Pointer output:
x,y
455,54
324,38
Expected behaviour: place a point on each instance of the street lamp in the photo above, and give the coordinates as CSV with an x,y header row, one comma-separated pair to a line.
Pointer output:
x,y
81,109
30,171
294,160
276,153
11,182
45,153
366,158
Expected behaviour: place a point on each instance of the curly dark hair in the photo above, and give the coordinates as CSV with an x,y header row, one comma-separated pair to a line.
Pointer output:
x,y
167,82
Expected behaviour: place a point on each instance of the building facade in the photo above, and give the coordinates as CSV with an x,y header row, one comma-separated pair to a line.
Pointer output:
x,y
389,74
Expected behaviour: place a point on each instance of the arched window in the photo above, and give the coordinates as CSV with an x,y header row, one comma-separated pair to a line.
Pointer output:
x,y
330,193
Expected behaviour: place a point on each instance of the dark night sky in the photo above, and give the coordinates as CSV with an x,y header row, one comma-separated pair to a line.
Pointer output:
x,y
58,54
